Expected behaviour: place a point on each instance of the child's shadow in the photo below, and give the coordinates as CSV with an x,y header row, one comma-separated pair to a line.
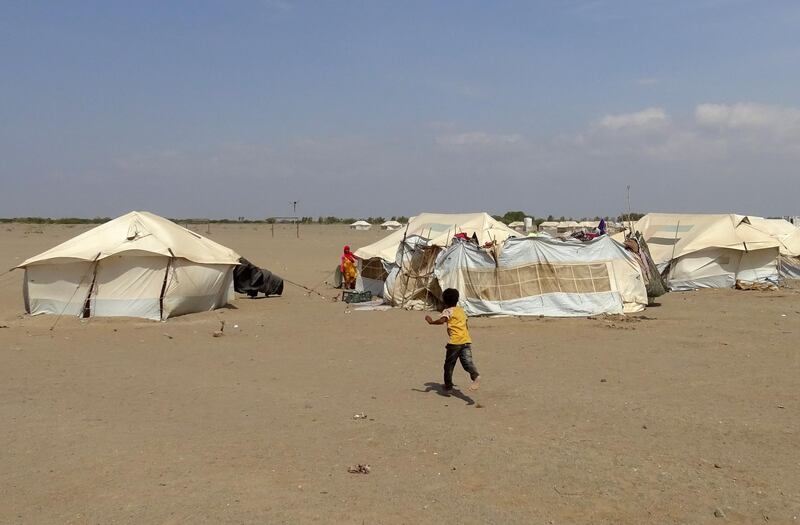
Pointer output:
x,y
439,389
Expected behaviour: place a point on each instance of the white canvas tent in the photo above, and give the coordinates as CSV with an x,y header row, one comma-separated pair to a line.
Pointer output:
x,y
391,225
360,225
137,265
567,227
517,226
540,276
431,229
709,250
788,235
549,227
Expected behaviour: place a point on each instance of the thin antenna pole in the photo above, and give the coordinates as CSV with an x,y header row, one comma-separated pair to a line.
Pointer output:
x,y
630,223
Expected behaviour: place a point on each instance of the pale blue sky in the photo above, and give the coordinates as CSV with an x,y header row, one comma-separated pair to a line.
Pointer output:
x,y
225,108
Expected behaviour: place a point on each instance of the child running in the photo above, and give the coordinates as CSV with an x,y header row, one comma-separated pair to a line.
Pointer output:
x,y
459,346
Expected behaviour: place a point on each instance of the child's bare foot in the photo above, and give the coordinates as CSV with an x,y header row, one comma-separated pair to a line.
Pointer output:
x,y
476,384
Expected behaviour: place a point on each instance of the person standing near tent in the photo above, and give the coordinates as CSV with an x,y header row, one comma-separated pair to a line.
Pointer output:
x,y
348,268
459,345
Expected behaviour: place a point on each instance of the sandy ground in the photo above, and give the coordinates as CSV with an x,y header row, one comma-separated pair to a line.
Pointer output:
x,y
664,417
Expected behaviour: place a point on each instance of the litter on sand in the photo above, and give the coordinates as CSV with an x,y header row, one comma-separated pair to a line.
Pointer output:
x,y
358,469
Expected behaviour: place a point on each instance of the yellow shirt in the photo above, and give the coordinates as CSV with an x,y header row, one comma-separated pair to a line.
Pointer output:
x,y
457,325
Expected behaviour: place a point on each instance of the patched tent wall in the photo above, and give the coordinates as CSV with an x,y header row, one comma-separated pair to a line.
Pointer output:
x,y
539,276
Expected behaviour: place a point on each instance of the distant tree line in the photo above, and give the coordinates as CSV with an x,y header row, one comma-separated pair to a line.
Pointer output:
x,y
507,218
48,220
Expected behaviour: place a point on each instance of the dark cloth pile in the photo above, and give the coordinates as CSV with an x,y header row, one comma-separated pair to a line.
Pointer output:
x,y
250,279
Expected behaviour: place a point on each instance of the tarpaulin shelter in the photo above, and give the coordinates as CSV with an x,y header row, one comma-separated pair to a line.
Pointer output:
x,y
709,250
427,230
137,265
498,272
540,276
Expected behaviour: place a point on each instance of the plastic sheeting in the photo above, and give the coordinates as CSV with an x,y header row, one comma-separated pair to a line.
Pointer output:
x,y
790,267
372,274
537,276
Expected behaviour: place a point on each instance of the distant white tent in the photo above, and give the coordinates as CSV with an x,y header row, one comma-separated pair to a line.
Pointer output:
x,y
517,225
549,227
391,225
137,265
567,227
360,225
709,251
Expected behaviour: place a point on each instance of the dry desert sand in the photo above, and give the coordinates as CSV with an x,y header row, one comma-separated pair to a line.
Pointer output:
x,y
669,416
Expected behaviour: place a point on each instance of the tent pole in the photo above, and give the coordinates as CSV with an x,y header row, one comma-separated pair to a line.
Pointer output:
x,y
92,269
402,260
164,285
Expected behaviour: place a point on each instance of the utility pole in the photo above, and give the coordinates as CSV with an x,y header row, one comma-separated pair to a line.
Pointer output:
x,y
296,219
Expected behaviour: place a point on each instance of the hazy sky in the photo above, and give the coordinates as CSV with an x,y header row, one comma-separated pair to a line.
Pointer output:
x,y
357,108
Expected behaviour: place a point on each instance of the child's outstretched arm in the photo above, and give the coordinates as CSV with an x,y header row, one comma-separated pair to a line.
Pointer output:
x,y
441,320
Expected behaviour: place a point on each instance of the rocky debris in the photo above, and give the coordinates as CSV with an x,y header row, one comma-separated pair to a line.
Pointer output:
x,y
718,513
221,331
358,469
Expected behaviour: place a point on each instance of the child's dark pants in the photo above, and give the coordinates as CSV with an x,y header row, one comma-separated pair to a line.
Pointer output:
x,y
456,353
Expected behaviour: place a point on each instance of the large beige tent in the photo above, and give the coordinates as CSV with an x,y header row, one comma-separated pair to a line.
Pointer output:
x,y
788,235
709,250
137,265
436,230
